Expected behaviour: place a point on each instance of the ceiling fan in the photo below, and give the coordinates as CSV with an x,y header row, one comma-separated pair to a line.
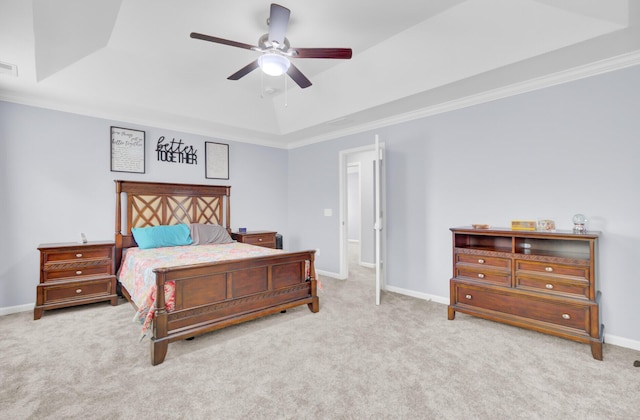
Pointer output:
x,y
275,50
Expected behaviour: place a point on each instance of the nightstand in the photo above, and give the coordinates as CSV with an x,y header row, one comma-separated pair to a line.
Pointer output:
x,y
75,274
263,238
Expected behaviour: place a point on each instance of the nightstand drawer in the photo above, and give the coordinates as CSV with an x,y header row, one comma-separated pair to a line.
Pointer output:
x,y
78,254
55,272
262,240
77,290
266,239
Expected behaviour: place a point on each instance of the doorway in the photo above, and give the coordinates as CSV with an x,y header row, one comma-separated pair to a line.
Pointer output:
x,y
357,213
354,213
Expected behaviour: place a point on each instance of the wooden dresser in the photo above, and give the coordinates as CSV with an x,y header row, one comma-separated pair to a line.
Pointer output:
x,y
263,238
75,274
543,281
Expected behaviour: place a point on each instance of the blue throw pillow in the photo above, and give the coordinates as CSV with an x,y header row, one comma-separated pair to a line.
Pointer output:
x,y
159,236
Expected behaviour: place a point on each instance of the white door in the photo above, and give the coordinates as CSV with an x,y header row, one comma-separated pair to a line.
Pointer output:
x,y
379,216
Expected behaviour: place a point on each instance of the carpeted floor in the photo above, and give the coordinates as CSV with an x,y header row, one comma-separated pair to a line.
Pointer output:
x,y
354,360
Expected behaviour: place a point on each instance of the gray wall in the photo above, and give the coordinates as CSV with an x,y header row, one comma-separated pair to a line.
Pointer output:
x,y
573,148
56,182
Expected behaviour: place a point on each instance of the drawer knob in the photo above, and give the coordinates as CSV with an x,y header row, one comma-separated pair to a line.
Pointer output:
x,y
78,290
78,255
78,272
549,286
468,297
566,316
259,239
480,261
480,275
549,269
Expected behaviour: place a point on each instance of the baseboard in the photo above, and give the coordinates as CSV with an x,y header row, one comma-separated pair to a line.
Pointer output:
x,y
330,274
621,342
419,295
15,309
366,264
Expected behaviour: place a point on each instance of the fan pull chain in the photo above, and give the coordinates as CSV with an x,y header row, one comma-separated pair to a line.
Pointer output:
x,y
261,85
285,91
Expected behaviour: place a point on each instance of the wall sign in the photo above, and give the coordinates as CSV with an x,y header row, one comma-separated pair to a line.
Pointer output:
x,y
216,158
127,150
176,151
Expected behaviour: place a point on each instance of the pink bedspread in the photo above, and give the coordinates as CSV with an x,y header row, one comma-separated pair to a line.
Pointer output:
x,y
137,276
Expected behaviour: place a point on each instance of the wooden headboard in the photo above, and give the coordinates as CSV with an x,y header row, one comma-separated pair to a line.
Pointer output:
x,y
155,204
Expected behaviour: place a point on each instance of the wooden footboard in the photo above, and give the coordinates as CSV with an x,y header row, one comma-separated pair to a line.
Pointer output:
x,y
216,295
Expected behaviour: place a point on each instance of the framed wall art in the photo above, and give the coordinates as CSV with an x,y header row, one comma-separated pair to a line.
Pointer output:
x,y
216,160
127,150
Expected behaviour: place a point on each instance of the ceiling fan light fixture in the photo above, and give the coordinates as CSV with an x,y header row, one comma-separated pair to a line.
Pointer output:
x,y
274,64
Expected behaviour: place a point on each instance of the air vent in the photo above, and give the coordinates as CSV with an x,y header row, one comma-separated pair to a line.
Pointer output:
x,y
8,69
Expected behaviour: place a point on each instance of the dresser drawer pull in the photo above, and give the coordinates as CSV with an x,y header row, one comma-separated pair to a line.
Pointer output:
x,y
566,316
549,286
468,297
480,275
78,290
480,261
549,269
78,272
78,255
259,239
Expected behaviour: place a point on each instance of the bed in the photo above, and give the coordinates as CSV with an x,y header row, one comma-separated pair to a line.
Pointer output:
x,y
206,296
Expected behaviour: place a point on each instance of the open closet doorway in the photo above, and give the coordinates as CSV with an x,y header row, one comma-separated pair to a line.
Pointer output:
x,y
354,214
357,214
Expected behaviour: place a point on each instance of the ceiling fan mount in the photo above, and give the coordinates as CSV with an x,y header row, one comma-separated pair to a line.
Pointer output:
x,y
265,45
276,50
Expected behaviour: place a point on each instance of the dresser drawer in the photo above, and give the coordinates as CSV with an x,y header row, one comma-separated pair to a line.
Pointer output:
x,y
67,271
479,260
553,268
77,290
557,286
490,276
569,315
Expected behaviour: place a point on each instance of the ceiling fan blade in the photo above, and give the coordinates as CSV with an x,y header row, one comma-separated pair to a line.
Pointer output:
x,y
278,22
244,71
340,53
223,41
298,77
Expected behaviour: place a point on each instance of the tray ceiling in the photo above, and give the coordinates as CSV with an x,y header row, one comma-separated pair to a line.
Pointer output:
x,y
133,61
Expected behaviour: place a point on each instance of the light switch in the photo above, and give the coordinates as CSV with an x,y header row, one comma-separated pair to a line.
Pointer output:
x,y
328,212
